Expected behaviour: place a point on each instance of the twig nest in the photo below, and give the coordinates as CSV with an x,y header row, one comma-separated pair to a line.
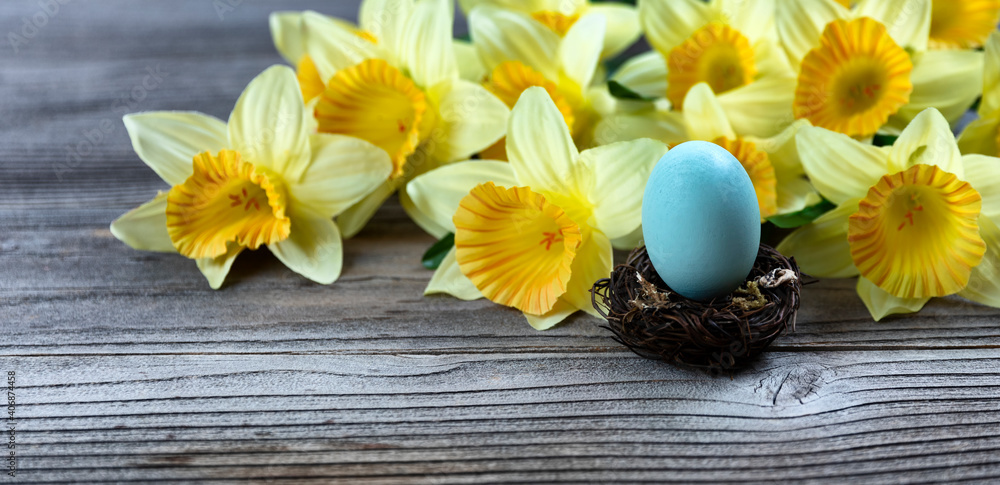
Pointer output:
x,y
722,334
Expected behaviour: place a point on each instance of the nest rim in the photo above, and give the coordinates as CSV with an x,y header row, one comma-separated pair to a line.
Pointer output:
x,y
722,334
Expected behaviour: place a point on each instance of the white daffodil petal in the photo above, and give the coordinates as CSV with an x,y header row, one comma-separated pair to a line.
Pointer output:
x,y
504,35
645,74
470,119
268,124
620,173
947,80
794,193
580,50
753,19
353,220
704,116
820,247
927,140
983,173
426,43
984,282
428,224
881,304
666,126
761,108
313,249
145,227
343,170
470,66
800,22
782,149
437,193
539,146
448,279
991,76
557,314
215,269
770,60
385,19
623,27
668,23
593,261
908,21
980,136
288,35
840,167
167,141
332,46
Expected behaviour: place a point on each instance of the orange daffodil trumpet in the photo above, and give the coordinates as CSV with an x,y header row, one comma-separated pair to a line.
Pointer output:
x,y
729,45
962,23
565,64
534,234
395,82
260,179
915,220
559,16
867,69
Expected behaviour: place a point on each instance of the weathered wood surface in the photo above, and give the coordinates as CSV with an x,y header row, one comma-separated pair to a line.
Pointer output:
x,y
130,369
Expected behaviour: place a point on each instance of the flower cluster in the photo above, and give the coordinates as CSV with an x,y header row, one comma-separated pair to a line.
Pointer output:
x,y
529,143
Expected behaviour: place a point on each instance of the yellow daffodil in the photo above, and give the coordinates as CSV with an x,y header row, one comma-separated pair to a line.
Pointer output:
x,y
564,65
981,135
261,179
395,82
962,23
728,44
867,70
914,220
559,16
534,233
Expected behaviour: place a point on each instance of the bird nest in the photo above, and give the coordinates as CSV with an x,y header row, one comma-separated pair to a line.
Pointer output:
x,y
720,335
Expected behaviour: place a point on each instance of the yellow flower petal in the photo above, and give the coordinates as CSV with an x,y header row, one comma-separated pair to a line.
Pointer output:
x,y
916,233
948,81
312,85
800,24
620,172
352,220
761,108
715,54
288,35
593,261
448,279
665,126
215,269
981,136
984,282
268,124
881,304
758,166
541,150
704,116
470,119
840,167
470,66
820,247
854,80
426,48
437,193
343,170
963,24
226,200
167,140
580,50
385,19
908,21
983,173
556,21
623,27
509,80
991,76
314,249
375,102
927,140
668,23
145,227
333,46
645,74
516,247
502,35
556,315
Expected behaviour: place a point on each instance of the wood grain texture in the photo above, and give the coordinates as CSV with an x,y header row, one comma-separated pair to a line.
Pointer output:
x,y
130,369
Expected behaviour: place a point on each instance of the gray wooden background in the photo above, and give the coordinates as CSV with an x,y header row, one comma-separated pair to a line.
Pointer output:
x,y
129,368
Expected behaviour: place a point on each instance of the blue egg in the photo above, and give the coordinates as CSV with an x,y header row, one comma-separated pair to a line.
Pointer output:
x,y
701,221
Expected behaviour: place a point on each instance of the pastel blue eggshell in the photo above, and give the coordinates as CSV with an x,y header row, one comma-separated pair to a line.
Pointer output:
x,y
701,221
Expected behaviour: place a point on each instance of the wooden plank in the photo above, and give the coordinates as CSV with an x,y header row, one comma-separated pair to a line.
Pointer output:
x,y
130,369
